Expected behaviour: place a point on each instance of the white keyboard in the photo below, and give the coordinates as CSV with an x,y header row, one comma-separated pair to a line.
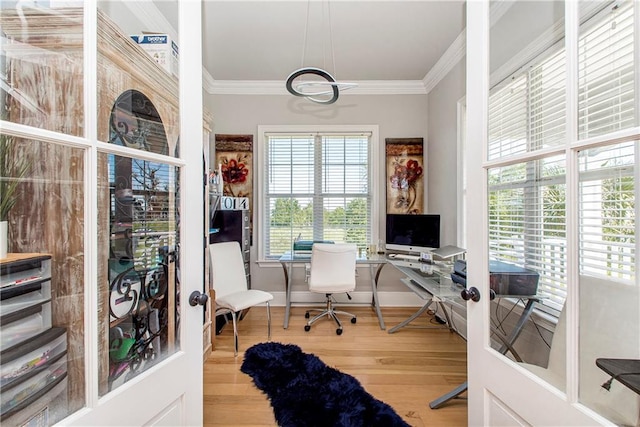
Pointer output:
x,y
405,257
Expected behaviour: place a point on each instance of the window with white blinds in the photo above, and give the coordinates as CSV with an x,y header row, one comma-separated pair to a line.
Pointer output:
x,y
317,186
527,199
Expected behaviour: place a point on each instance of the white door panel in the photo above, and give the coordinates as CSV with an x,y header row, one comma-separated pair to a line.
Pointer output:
x,y
500,391
143,400
501,415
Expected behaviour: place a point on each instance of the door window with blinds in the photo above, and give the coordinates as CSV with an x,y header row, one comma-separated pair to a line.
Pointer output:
x,y
527,115
316,186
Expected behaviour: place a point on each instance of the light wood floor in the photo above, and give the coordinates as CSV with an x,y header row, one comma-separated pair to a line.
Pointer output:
x,y
406,369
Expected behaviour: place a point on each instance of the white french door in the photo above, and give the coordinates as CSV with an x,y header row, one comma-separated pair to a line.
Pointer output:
x,y
102,165
166,389
502,391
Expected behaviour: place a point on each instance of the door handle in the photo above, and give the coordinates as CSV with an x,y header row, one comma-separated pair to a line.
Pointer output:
x,y
197,298
472,294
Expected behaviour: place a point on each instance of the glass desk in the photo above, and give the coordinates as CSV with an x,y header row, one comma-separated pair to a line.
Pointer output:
x,y
432,283
375,263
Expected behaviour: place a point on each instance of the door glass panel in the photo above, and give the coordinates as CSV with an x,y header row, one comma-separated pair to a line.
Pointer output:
x,y
137,196
609,339
527,105
42,351
527,251
526,199
609,333
139,305
137,79
606,48
42,65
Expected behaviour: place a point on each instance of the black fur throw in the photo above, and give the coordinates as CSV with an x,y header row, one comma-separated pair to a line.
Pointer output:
x,y
305,392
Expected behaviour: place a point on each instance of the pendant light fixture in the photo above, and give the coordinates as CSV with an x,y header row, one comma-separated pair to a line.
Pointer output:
x,y
324,91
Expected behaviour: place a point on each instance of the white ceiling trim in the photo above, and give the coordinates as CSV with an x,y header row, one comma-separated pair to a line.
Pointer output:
x,y
277,87
447,61
456,52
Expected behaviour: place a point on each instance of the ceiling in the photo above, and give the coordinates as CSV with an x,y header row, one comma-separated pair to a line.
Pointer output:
x,y
372,40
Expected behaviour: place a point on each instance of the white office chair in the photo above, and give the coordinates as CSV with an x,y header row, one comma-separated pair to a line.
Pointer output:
x,y
230,283
333,270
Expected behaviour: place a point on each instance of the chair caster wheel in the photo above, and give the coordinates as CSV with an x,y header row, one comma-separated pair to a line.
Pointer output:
x,y
353,320
338,331
307,328
306,315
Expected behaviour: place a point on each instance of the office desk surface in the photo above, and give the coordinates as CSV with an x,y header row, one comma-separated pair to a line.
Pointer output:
x,y
435,279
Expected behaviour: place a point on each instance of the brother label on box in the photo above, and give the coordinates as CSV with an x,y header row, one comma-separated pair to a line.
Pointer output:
x,y
162,49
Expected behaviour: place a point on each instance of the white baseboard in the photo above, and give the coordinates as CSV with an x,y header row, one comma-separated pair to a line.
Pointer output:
x,y
385,299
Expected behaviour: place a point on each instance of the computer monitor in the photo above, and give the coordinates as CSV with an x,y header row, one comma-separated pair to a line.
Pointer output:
x,y
413,233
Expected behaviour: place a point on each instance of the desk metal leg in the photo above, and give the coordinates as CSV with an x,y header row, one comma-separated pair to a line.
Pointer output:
x,y
446,316
515,333
287,283
435,404
412,318
374,290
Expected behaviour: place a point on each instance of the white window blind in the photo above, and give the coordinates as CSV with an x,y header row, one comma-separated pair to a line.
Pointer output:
x,y
527,221
606,72
607,211
527,200
529,113
317,187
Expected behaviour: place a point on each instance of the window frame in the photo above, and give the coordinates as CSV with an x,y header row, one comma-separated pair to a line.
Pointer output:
x,y
374,174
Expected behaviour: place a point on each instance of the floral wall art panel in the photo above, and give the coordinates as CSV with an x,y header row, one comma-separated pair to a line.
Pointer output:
x,y
234,155
405,175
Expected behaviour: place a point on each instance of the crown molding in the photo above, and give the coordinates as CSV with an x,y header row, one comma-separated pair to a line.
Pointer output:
x,y
457,51
447,61
277,87
207,81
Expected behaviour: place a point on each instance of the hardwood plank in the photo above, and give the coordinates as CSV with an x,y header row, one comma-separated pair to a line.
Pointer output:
x,y
407,369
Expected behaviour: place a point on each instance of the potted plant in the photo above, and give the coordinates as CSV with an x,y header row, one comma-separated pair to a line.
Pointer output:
x,y
12,169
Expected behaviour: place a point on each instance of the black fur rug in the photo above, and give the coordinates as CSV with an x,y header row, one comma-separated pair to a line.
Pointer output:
x,y
305,392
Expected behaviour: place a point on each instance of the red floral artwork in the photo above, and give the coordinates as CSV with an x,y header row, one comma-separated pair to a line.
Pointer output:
x,y
405,173
234,154
404,180
234,172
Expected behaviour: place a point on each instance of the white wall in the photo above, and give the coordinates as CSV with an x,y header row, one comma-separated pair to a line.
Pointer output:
x,y
398,116
442,152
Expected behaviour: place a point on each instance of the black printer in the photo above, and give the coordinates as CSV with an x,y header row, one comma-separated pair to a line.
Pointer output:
x,y
504,278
